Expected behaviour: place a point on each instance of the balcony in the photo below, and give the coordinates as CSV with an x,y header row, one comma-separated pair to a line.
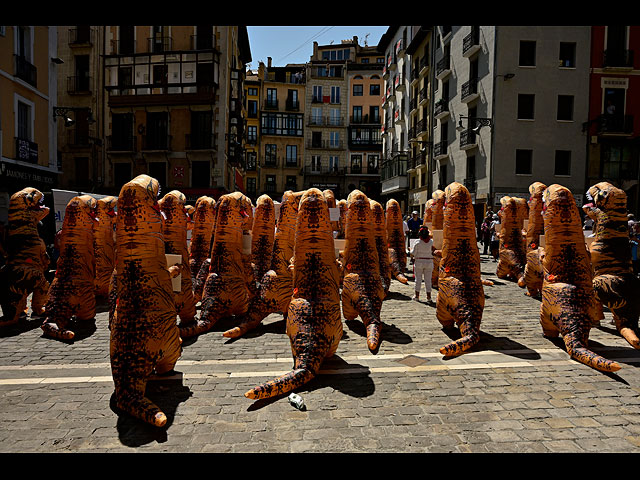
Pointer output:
x,y
471,184
440,150
323,170
356,169
471,43
325,145
424,64
618,58
364,119
293,105
413,104
270,104
79,85
469,91
441,109
120,47
615,124
200,141
26,71
399,84
468,140
81,36
323,121
158,142
269,161
122,143
443,67
26,150
291,162
417,161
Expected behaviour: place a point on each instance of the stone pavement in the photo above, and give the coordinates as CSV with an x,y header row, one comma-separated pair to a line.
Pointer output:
x,y
515,392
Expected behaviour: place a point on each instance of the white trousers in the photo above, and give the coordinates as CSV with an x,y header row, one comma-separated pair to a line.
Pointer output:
x,y
422,270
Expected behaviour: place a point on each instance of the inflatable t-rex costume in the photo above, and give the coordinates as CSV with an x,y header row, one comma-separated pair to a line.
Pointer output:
x,y
380,235
314,325
276,285
533,273
428,212
226,290
105,244
23,273
437,223
569,304
342,205
72,291
263,235
460,298
176,220
513,257
203,220
397,242
144,334
614,282
362,287
331,203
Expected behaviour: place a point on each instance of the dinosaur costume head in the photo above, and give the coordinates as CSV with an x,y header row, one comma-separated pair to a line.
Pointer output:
x,y
81,215
536,222
27,207
610,210
235,214
437,209
107,207
566,259
428,211
173,205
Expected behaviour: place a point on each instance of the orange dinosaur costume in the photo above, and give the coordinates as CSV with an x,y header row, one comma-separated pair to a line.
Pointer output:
x,y
263,235
226,290
380,235
144,334
173,206
72,291
614,282
331,203
342,205
362,287
314,325
204,225
460,298
428,212
437,223
275,290
569,305
513,257
533,272
23,272
105,244
397,242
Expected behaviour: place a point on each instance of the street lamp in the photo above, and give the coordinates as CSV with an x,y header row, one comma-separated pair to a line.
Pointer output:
x,y
423,144
63,112
477,123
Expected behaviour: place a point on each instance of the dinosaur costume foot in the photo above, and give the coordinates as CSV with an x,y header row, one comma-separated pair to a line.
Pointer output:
x,y
593,360
53,330
195,328
460,346
630,336
281,385
143,409
241,329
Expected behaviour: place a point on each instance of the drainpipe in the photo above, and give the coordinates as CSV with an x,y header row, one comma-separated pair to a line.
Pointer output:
x,y
493,104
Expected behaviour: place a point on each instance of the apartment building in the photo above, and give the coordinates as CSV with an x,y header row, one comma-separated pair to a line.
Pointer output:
x,y
80,125
174,106
28,92
509,107
281,129
395,106
332,73
253,92
614,110
420,120
364,146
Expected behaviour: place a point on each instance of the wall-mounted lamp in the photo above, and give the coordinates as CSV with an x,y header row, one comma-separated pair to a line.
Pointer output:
x,y
507,76
57,60
423,144
64,113
474,123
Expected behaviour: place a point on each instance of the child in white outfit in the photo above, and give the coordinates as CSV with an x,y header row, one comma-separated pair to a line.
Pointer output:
x,y
422,252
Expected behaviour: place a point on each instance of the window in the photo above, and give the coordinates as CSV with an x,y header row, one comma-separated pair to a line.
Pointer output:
x,y
316,139
374,89
317,94
523,162
333,164
617,162
252,91
563,163
252,109
335,95
374,114
316,115
272,98
471,167
200,173
252,160
527,53
252,133
24,121
335,119
270,184
357,114
291,182
372,163
201,129
251,185
356,163
358,90
292,156
334,139
565,107
270,152
122,131
160,74
316,163
526,104
158,170
567,54
124,77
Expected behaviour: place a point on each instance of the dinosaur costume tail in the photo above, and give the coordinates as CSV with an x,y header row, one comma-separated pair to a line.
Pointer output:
x,y
586,356
53,330
461,345
374,333
284,384
141,407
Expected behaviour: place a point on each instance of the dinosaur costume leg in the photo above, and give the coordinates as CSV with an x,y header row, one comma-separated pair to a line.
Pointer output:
x,y
354,304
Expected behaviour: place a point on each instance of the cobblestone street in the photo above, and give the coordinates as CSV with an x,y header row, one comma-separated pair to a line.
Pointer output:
x,y
516,391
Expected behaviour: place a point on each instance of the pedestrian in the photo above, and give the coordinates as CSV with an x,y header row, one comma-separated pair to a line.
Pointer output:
x,y
405,230
495,238
414,224
634,239
422,253
485,234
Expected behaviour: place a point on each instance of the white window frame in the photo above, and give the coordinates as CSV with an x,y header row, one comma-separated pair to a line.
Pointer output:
x,y
32,116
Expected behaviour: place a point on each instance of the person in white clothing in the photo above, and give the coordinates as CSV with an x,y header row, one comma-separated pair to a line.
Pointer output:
x,y
422,253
